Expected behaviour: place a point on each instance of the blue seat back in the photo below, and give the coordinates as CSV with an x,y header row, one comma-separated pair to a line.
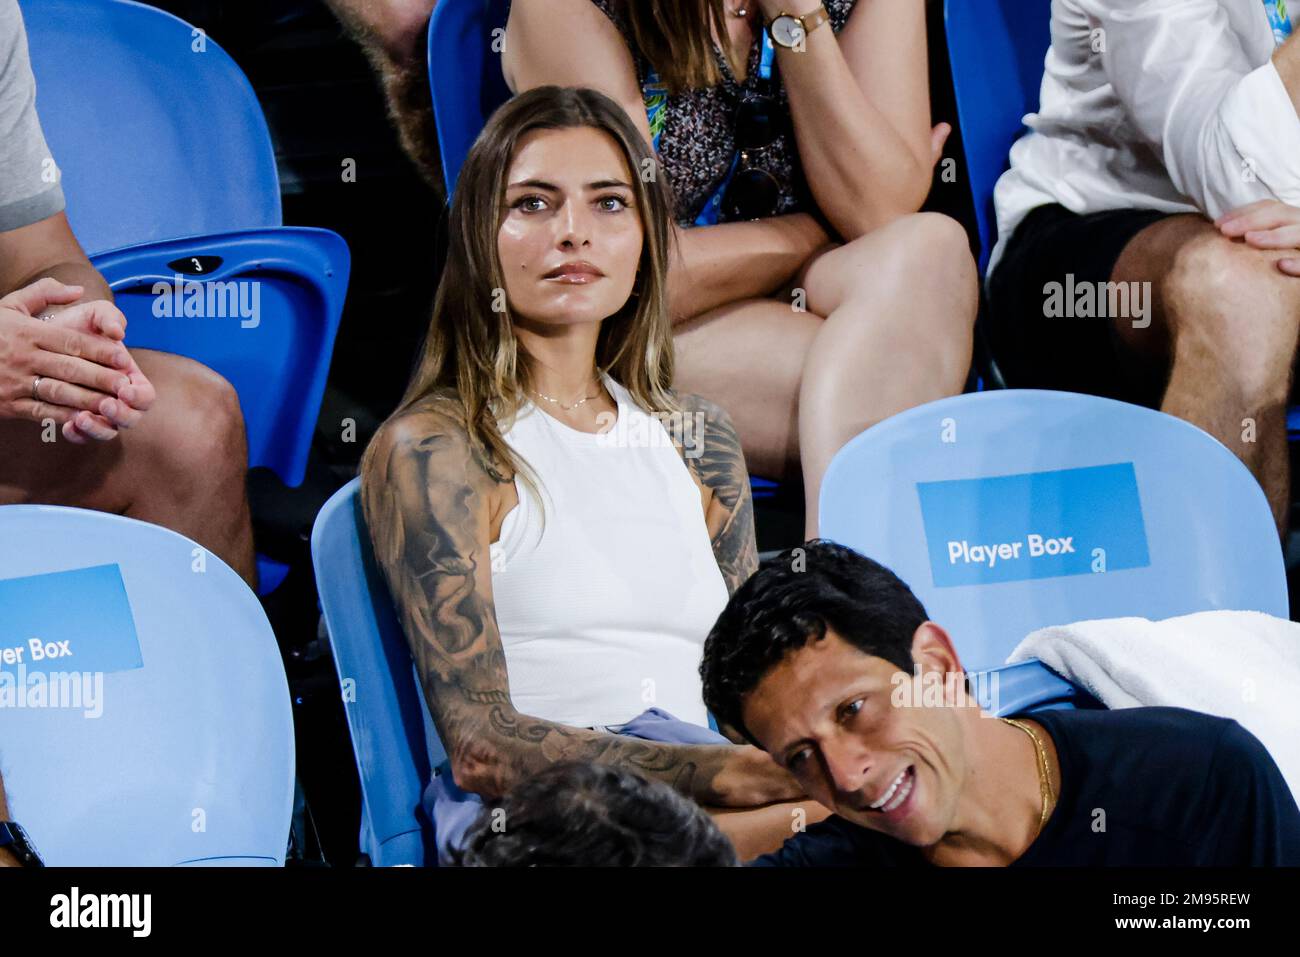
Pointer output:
x,y
380,694
1027,686
1181,524
263,312
997,49
192,757
157,132
465,75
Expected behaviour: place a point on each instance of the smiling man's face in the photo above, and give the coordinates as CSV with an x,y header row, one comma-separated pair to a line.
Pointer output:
x,y
826,713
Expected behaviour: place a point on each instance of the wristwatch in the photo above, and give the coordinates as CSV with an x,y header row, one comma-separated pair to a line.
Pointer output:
x,y
787,30
15,840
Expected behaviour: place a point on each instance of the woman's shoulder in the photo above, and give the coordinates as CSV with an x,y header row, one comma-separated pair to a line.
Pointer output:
x,y
430,432
431,415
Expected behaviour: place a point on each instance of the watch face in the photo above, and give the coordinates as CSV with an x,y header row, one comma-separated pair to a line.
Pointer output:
x,y
787,30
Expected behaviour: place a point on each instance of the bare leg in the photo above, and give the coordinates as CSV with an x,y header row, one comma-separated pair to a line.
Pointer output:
x,y
392,34
748,357
900,307
1228,320
183,466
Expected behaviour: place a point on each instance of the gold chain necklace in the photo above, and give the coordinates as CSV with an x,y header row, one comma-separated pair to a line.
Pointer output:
x,y
569,408
1044,773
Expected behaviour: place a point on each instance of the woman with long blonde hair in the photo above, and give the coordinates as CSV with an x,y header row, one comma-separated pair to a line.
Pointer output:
x,y
543,501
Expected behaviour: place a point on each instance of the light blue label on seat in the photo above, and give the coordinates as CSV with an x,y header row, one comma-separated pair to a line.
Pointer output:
x,y
77,620
1083,521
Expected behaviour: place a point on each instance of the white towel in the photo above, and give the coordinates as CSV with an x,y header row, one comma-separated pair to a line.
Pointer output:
x,y
1243,665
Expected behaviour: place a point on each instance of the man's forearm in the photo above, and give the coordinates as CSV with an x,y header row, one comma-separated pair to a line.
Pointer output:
x,y
73,273
1287,62
714,265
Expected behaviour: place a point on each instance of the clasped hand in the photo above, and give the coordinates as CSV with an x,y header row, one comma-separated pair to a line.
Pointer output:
x,y
73,367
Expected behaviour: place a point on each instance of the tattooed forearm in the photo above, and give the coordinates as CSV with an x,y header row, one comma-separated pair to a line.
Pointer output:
x,y
426,500
721,467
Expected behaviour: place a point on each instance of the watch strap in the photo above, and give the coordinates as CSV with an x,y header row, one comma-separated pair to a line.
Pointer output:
x,y
815,19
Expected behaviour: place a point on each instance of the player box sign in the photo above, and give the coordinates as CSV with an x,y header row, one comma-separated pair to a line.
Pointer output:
x,y
79,619
1033,525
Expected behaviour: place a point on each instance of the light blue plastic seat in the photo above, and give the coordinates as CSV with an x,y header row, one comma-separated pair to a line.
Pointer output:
x,y
167,166
391,735
191,760
1181,524
1028,686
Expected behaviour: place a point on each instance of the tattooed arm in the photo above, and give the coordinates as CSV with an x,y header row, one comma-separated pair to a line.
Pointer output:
x,y
718,464
426,499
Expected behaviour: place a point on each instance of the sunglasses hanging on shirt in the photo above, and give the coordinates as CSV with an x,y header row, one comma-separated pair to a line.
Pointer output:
x,y
746,192
750,192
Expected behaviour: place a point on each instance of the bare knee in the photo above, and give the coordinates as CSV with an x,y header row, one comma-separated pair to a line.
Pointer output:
x,y
1230,307
925,260
197,443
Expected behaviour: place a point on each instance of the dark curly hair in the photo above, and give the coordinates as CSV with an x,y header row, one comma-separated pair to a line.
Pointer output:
x,y
791,600
583,814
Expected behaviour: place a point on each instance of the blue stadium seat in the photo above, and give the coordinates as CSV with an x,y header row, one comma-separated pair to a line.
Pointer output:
x,y
465,75
1162,520
277,361
385,710
167,166
997,49
155,129
191,760
1028,686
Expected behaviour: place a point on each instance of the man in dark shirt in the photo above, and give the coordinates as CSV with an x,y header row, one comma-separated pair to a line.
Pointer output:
x,y
828,662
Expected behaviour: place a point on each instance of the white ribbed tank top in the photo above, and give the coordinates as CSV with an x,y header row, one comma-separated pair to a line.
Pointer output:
x,y
604,612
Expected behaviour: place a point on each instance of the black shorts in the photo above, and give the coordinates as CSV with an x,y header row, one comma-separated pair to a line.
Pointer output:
x,y
1038,351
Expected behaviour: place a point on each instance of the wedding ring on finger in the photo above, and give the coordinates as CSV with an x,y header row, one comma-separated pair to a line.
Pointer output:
x,y
36,385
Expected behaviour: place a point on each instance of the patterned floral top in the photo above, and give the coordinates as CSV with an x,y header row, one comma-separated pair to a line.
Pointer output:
x,y
698,144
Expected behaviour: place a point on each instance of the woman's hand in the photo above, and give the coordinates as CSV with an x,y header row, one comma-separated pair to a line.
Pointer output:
x,y
938,137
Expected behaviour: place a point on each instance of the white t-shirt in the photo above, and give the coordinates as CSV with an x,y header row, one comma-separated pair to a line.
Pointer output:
x,y
604,613
1171,105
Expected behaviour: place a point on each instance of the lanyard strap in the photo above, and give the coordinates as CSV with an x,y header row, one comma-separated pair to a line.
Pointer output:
x,y
655,93
1279,19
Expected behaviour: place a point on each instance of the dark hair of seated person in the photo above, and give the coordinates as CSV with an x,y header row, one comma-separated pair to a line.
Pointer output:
x,y
790,601
582,814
